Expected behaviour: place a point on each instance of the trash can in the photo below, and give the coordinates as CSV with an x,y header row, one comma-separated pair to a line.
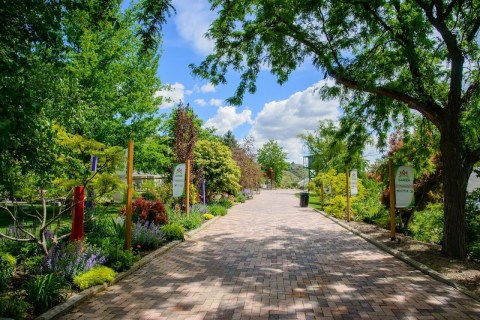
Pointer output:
x,y
304,199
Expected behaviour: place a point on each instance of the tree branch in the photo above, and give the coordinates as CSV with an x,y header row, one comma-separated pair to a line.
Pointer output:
x,y
430,112
473,32
439,24
4,236
473,156
472,89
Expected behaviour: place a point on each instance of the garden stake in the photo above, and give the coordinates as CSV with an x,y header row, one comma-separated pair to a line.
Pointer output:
x,y
392,199
128,221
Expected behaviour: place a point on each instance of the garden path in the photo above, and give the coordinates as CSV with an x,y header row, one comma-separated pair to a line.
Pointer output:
x,y
271,259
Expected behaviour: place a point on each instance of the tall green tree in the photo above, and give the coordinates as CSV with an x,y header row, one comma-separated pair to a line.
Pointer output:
x,y
108,92
153,155
74,63
387,57
272,158
31,51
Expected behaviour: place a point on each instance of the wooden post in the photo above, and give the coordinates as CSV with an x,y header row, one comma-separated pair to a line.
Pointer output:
x,y
187,189
347,178
392,198
322,193
128,221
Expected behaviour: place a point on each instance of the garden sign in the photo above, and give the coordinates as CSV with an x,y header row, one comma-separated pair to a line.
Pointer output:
x,y
404,176
178,179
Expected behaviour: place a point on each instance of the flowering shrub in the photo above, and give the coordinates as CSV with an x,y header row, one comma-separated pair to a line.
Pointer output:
x,y
147,235
199,207
70,259
145,210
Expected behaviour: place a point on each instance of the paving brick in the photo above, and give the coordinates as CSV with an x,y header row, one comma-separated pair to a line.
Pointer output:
x,y
271,259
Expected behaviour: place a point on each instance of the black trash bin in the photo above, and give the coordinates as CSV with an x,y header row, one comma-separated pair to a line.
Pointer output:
x,y
304,199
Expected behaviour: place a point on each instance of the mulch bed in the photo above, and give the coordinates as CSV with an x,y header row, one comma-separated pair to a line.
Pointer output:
x,y
466,273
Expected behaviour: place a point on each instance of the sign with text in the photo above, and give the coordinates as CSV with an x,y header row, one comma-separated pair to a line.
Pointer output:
x,y
353,182
178,179
404,176
327,188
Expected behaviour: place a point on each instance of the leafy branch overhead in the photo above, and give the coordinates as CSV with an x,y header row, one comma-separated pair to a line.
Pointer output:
x,y
387,58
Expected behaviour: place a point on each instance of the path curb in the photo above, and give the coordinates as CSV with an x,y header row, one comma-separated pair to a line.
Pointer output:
x,y
80,297
403,257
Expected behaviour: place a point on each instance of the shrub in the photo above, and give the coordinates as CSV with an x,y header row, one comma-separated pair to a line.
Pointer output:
x,y
70,259
95,276
8,260
474,250
217,210
119,259
192,221
32,265
147,235
427,225
208,216
240,198
174,232
145,210
21,250
7,267
101,228
226,203
149,195
14,307
45,291
472,212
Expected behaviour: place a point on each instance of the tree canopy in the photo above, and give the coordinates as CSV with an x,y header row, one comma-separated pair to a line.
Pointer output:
x,y
387,57
75,64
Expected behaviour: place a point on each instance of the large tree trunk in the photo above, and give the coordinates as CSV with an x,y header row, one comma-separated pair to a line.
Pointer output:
x,y
455,174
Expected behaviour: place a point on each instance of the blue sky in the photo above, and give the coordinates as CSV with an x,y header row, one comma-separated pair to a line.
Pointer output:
x,y
278,112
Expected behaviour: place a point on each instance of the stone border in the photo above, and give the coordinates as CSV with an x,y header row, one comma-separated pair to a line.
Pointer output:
x,y
80,297
403,257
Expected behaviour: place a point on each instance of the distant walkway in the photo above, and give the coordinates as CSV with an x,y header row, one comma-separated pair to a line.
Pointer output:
x,y
271,259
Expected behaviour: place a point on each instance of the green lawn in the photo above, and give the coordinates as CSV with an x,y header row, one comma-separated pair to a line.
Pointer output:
x,y
313,200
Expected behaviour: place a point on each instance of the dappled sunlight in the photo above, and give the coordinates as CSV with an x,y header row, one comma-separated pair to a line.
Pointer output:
x,y
279,263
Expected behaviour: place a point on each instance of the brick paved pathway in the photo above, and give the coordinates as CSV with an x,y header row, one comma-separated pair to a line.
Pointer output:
x,y
271,259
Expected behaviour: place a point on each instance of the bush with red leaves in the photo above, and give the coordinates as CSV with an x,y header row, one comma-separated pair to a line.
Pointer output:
x,y
146,210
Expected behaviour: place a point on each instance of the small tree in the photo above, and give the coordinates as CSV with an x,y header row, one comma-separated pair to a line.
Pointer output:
x,y
75,161
272,159
221,172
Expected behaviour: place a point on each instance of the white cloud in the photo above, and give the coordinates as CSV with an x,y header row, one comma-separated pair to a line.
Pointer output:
x,y
171,96
193,19
216,102
200,102
207,88
284,120
227,118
